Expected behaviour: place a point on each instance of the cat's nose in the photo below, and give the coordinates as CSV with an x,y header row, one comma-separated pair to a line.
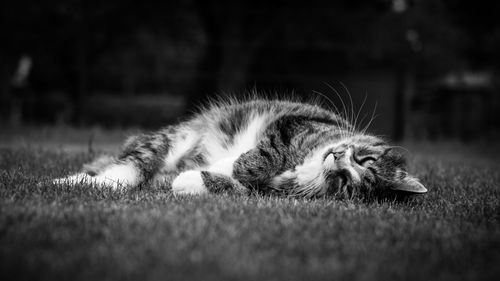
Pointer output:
x,y
342,155
338,154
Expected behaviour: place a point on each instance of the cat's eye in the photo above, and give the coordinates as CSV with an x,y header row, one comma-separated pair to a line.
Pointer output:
x,y
366,161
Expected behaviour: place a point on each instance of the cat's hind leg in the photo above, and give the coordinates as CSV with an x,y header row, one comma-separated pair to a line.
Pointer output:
x,y
138,161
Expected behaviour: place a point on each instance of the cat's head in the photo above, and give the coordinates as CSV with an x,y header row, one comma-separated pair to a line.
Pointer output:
x,y
364,163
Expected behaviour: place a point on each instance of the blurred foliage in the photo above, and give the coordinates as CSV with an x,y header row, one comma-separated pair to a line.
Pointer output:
x,y
127,39
195,48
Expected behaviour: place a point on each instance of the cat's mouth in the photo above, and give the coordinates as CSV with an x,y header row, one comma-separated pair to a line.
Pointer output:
x,y
337,182
340,177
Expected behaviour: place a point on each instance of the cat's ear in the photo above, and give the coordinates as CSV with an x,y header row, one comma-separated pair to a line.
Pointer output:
x,y
410,184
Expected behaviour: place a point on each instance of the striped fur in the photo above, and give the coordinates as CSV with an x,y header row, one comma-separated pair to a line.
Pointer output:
x,y
268,146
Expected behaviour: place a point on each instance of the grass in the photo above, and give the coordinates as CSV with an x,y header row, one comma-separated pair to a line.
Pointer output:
x,y
82,233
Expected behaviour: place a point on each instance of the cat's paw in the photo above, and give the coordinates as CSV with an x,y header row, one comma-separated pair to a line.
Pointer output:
x,y
82,178
189,182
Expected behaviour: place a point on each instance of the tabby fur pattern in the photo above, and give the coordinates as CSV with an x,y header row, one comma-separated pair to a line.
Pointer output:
x,y
268,146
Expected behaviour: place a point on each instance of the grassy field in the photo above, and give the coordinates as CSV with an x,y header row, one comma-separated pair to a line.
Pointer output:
x,y
82,233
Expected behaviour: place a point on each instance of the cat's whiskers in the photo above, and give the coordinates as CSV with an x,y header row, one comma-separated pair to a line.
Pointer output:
x,y
371,119
355,125
363,119
343,127
351,120
349,128
336,110
369,123
344,113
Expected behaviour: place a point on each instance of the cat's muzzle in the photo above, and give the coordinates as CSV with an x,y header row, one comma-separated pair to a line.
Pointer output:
x,y
337,175
336,183
339,183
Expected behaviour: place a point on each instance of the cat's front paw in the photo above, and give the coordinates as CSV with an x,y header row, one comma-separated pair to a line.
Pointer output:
x,y
189,182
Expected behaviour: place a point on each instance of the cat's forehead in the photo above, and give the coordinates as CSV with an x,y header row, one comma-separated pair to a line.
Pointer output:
x,y
367,141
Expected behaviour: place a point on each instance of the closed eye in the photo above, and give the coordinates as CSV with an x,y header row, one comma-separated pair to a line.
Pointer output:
x,y
365,161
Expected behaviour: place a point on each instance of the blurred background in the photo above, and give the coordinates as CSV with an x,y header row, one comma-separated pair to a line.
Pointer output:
x,y
430,66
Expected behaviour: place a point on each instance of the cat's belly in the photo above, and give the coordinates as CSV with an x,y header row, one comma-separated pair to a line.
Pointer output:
x,y
218,149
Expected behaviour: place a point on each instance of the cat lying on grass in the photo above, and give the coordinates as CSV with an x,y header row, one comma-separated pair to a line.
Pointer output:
x,y
268,146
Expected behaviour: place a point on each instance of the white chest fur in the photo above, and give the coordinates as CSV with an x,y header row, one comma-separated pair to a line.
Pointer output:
x,y
244,140
213,143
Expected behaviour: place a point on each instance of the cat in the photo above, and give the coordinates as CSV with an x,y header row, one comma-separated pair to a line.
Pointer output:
x,y
268,146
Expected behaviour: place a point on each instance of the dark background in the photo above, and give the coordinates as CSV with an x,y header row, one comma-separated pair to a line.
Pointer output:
x,y
430,66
